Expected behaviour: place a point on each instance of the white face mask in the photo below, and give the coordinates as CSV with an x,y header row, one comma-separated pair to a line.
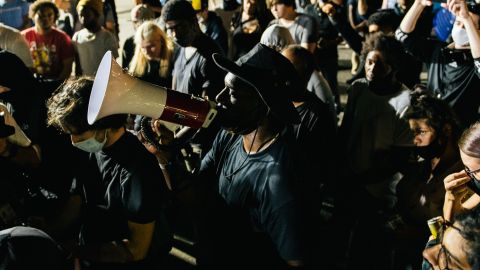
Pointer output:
x,y
459,36
91,145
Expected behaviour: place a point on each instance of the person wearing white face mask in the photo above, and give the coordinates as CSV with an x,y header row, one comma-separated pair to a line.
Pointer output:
x,y
454,69
120,187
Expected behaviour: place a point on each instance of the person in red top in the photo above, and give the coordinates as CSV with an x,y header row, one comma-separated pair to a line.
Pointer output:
x,y
52,50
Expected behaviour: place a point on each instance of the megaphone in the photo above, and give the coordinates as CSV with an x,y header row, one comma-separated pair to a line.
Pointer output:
x,y
116,92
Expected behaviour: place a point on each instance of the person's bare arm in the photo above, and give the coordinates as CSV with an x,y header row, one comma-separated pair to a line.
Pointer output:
x,y
362,7
455,192
309,46
134,248
460,10
410,20
66,69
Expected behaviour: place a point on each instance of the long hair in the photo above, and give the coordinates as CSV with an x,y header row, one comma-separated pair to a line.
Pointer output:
x,y
139,63
469,143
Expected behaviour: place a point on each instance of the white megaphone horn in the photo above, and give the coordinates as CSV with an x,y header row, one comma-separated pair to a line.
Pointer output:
x,y
115,92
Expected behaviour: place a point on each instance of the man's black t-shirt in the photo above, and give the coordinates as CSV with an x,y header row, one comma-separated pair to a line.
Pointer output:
x,y
256,194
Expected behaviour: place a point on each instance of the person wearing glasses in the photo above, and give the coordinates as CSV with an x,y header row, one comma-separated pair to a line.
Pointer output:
x,y
457,245
459,186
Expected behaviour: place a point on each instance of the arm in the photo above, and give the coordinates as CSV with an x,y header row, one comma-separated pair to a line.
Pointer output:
x,y
351,36
66,68
455,192
135,248
362,7
460,10
410,20
24,156
310,34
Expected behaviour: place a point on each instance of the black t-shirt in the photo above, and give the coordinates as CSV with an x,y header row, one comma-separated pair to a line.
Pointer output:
x,y
315,135
121,183
258,201
128,50
216,31
199,73
453,75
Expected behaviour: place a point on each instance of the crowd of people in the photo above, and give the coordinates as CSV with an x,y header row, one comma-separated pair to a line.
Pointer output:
x,y
284,177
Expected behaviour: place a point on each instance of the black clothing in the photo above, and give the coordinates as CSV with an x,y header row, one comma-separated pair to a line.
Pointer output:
x,y
453,75
315,135
121,183
326,56
128,50
216,31
243,42
152,75
252,212
199,73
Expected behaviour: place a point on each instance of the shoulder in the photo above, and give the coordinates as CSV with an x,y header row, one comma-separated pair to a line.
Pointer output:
x,y
304,19
28,31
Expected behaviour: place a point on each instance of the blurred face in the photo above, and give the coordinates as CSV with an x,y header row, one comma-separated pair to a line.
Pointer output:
x,y
45,18
450,253
88,18
152,46
423,133
241,104
249,6
279,10
375,66
181,32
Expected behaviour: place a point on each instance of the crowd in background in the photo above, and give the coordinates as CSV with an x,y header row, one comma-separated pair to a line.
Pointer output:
x,y
286,176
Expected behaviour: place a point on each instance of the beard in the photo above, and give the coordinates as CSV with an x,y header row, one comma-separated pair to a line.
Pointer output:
x,y
241,123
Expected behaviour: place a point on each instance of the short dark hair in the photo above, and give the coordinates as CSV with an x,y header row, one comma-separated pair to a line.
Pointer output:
x,y
390,48
41,4
290,3
385,17
304,61
469,221
178,10
437,112
469,142
68,106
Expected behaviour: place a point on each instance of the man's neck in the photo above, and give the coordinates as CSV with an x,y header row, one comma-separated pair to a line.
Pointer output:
x,y
42,31
289,17
261,138
385,86
114,135
94,29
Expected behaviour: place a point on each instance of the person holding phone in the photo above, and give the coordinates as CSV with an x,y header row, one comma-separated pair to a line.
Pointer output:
x,y
459,186
453,73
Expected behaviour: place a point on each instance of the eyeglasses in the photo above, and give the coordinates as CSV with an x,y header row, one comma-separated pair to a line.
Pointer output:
x,y
471,174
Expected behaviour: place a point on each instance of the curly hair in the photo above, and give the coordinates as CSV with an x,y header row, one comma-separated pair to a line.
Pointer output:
x,y
68,106
469,223
384,18
42,4
390,48
437,112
